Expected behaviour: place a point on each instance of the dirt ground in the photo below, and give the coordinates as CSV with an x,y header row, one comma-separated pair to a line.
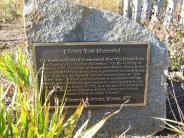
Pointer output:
x,y
12,36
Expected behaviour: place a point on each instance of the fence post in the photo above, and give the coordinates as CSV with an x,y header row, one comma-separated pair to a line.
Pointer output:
x,y
182,14
120,7
137,10
156,10
177,4
169,13
146,10
127,11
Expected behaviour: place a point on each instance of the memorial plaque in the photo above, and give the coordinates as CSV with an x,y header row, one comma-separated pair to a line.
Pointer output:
x,y
107,74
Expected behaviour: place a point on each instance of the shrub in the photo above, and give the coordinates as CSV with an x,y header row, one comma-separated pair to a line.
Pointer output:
x,y
174,125
27,116
16,68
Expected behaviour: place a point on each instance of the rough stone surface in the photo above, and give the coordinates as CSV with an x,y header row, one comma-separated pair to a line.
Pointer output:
x,y
62,20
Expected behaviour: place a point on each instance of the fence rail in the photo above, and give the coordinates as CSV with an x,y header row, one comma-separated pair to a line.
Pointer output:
x,y
147,10
138,10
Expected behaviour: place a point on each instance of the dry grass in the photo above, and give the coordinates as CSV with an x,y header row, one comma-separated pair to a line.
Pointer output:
x,y
111,5
11,8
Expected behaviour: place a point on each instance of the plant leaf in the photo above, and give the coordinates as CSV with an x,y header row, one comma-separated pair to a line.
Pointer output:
x,y
54,129
70,124
82,129
90,132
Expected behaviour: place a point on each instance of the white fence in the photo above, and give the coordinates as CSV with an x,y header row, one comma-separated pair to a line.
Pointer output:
x,y
154,10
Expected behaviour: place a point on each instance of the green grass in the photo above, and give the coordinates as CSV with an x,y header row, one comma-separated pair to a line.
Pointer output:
x,y
15,67
27,116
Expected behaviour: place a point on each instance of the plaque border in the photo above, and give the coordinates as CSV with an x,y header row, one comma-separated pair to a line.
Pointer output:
x,y
135,43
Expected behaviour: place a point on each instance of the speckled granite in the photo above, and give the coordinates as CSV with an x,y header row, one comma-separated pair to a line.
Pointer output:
x,y
62,20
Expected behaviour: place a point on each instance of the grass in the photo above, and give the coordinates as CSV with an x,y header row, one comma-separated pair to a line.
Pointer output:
x,y
26,115
111,5
176,125
32,118
16,68
11,9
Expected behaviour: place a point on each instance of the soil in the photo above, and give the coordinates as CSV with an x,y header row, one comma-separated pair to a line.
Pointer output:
x,y
12,36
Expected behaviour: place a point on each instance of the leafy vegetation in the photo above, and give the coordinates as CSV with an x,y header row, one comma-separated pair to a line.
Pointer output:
x,y
176,125
16,68
26,115
172,37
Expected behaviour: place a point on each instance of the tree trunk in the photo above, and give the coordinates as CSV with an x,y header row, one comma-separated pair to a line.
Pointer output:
x,y
146,9
137,10
169,13
127,10
156,10
182,14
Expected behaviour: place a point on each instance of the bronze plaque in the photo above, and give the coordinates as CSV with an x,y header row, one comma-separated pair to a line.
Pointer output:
x,y
107,74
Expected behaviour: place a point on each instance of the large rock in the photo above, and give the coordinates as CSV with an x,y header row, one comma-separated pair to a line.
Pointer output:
x,y
62,20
